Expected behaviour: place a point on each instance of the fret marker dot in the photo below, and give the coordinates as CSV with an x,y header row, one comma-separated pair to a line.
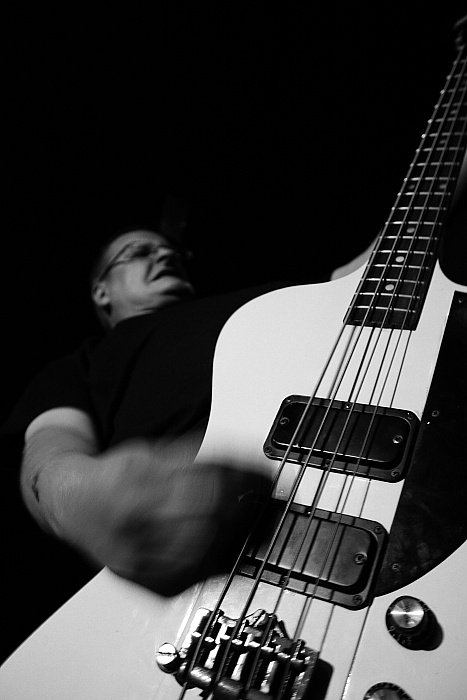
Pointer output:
x,y
400,259
389,287
411,229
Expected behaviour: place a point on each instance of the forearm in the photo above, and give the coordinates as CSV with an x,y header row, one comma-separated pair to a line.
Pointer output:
x,y
142,509
57,465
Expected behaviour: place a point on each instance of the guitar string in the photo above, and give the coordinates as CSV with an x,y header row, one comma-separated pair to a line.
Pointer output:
x,y
216,610
291,498
406,314
444,195
348,491
341,508
455,165
240,618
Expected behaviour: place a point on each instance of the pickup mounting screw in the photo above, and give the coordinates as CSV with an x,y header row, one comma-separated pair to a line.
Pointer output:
x,y
360,558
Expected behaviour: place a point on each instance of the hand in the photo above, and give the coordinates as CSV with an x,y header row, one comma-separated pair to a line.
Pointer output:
x,y
156,518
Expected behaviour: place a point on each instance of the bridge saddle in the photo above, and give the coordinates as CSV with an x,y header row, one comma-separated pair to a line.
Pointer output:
x,y
249,659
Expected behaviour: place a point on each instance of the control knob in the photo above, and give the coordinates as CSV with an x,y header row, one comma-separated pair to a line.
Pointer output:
x,y
411,622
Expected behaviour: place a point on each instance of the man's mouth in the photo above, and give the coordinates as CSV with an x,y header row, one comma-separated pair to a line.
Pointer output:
x,y
164,272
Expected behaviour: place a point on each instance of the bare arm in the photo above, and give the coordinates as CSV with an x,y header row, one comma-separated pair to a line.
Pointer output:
x,y
58,445
141,508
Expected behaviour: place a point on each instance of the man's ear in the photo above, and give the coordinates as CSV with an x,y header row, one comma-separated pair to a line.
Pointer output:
x,y
100,295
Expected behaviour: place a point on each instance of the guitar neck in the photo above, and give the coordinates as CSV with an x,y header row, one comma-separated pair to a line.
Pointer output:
x,y
393,288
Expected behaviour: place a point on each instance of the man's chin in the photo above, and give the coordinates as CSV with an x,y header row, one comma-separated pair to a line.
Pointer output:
x,y
170,290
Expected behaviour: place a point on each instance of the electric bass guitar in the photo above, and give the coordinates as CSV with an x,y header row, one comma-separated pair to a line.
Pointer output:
x,y
350,393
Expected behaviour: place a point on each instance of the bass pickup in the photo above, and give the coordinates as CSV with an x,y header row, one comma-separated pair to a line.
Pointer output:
x,y
351,438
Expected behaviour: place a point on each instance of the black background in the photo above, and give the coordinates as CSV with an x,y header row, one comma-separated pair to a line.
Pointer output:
x,y
284,130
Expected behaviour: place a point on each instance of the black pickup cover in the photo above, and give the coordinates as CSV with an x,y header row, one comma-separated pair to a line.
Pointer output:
x,y
366,440
318,553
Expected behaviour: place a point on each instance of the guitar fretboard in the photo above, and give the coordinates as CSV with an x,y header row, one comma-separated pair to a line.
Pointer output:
x,y
395,283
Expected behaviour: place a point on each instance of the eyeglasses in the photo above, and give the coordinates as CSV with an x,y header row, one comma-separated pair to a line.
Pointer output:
x,y
142,250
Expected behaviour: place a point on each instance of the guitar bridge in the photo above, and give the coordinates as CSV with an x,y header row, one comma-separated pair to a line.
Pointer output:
x,y
252,658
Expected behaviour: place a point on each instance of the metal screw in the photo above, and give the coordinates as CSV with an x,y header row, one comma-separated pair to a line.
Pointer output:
x,y
377,529
395,473
435,414
359,558
397,439
357,600
396,567
268,449
284,420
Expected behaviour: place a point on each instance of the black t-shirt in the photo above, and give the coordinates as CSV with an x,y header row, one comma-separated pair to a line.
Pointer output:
x,y
149,376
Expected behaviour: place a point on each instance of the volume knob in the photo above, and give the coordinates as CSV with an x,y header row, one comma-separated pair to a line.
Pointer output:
x,y
411,622
386,691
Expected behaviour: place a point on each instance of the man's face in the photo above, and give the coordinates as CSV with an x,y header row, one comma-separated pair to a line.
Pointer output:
x,y
140,272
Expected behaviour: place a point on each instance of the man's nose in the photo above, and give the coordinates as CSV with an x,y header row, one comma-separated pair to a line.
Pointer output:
x,y
162,254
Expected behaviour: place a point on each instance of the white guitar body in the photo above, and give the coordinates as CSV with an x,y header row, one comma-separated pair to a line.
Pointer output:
x,y
101,645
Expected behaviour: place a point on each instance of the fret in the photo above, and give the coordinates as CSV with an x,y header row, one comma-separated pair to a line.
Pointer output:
x,y
429,214
446,134
449,119
411,246
418,208
453,138
402,265
445,166
455,107
392,291
424,232
413,222
402,237
452,150
386,300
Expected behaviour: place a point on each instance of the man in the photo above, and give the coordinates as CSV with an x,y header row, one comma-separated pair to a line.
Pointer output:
x,y
138,272
111,432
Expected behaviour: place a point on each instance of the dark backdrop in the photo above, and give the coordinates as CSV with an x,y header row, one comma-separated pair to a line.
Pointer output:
x,y
282,133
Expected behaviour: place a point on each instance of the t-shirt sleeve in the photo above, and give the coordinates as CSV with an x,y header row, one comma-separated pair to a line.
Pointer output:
x,y
60,384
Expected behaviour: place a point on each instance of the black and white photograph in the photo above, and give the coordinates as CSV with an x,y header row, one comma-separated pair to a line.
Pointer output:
x,y
234,338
